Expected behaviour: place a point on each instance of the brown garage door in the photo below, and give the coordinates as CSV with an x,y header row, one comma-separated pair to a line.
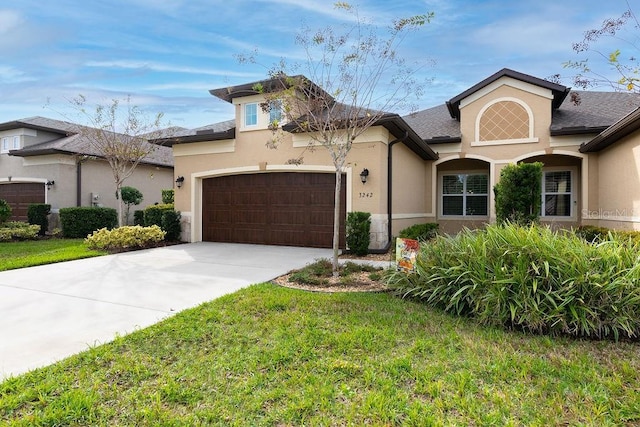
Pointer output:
x,y
20,195
285,208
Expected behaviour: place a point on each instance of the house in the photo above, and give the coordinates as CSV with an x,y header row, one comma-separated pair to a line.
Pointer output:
x,y
46,161
437,165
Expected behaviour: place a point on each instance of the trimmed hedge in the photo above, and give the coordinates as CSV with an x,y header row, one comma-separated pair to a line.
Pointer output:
x,y
37,214
420,231
126,237
138,217
358,228
168,196
171,225
533,279
81,221
153,214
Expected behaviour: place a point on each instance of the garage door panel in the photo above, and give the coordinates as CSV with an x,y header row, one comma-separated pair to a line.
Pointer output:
x,y
19,195
294,209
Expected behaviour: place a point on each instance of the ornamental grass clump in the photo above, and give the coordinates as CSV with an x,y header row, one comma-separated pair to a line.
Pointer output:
x,y
125,238
531,278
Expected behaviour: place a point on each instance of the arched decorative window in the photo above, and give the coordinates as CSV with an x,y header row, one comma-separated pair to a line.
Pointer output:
x,y
507,120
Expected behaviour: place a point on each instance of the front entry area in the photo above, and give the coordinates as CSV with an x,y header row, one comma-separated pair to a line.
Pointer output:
x,y
279,208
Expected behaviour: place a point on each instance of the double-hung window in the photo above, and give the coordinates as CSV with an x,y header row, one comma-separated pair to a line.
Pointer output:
x,y
465,194
251,114
556,193
4,148
16,143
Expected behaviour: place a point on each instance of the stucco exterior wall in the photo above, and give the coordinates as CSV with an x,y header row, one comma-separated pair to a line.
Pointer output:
x,y
618,201
248,153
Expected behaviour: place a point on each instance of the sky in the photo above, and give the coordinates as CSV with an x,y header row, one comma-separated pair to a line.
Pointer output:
x,y
167,54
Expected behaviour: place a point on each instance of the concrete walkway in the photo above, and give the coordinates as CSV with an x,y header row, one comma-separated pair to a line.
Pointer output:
x,y
50,312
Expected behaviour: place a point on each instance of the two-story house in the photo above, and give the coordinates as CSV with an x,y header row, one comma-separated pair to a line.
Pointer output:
x,y
437,165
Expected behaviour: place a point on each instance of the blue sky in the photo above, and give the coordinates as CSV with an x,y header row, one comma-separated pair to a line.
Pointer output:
x,y
167,54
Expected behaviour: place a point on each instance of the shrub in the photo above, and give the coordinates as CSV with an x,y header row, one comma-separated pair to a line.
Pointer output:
x,y
531,278
14,230
167,196
519,193
81,221
171,225
37,214
593,234
358,227
127,237
420,231
130,196
5,211
138,217
153,214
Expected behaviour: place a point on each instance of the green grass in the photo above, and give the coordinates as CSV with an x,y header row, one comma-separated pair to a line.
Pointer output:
x,y
30,253
268,356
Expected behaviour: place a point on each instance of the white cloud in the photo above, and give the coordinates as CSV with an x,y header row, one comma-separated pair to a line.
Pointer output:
x,y
9,21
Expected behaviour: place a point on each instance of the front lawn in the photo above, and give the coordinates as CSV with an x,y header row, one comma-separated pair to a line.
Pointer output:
x,y
30,253
274,356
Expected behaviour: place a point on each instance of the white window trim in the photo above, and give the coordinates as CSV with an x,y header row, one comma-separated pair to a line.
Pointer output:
x,y
244,116
441,195
4,144
573,199
16,143
529,140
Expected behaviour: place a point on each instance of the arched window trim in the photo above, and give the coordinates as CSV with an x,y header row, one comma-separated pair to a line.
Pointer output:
x,y
530,139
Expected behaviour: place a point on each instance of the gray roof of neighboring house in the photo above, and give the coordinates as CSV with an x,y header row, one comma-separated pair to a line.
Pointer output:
x,y
70,142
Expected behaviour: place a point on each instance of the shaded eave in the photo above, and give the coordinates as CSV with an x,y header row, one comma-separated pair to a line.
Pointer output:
x,y
200,136
624,127
19,124
560,92
248,89
49,151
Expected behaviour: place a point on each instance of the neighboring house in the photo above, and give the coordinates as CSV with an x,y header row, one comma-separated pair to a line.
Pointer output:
x,y
437,165
46,161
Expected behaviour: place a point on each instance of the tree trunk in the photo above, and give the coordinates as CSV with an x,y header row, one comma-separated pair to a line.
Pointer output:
x,y
336,223
119,197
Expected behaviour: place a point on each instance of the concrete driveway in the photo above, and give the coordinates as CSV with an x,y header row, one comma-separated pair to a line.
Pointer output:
x,y
50,312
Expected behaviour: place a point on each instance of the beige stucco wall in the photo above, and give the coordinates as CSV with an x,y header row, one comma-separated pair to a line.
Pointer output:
x,y
248,153
618,196
554,152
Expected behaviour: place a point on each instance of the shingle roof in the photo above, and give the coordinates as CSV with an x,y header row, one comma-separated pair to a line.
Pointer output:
x,y
435,125
595,112
70,142
624,127
212,132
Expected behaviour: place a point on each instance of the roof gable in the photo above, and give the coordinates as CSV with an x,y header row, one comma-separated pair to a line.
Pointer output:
x,y
559,91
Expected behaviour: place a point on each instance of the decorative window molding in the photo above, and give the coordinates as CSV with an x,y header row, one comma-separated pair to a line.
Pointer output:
x,y
504,121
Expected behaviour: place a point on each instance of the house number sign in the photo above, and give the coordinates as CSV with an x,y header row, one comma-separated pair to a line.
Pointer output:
x,y
366,195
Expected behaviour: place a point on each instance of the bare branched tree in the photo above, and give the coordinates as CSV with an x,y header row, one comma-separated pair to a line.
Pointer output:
x,y
624,60
352,78
119,134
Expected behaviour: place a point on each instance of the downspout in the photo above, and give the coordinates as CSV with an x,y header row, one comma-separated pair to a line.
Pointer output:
x,y
79,182
389,191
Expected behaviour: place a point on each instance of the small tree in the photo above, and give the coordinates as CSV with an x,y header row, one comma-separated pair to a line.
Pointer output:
x,y
130,196
119,137
353,78
519,193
